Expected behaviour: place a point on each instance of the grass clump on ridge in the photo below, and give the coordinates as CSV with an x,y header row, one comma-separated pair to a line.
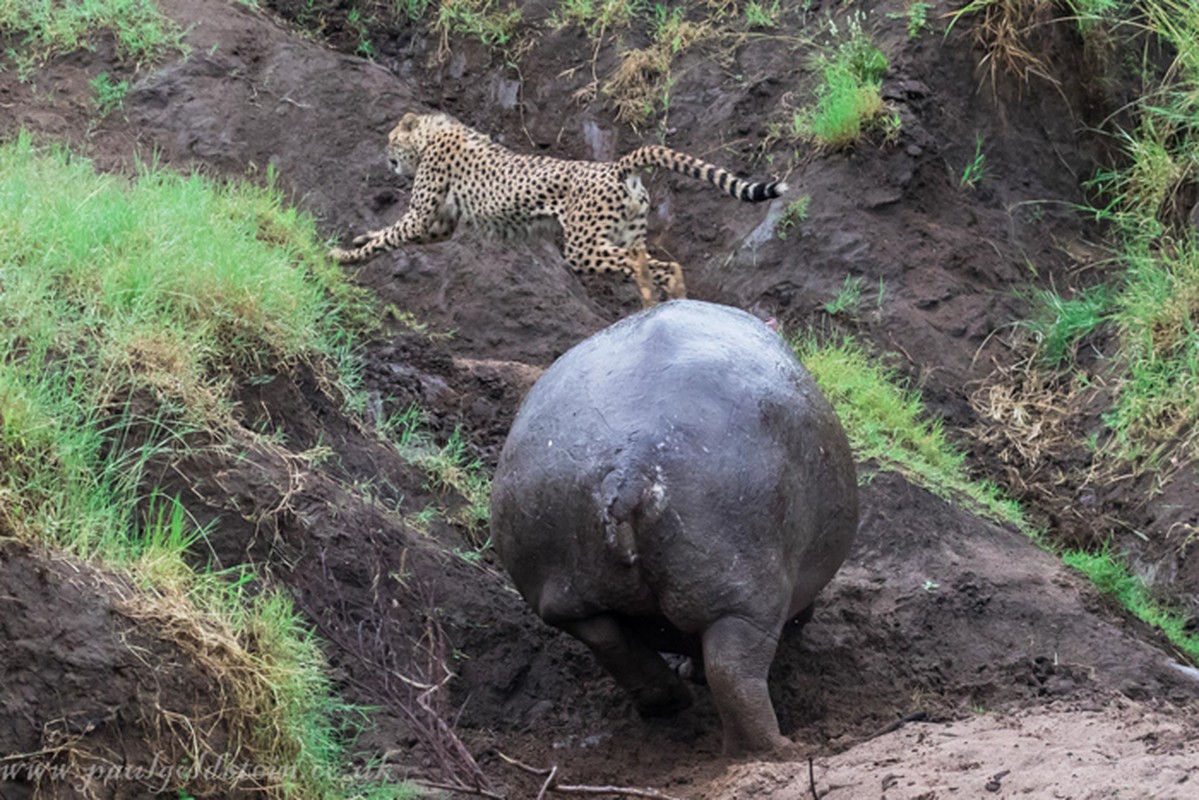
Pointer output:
x,y
642,81
125,309
596,16
126,306
284,719
46,28
1152,306
492,22
848,97
1154,303
887,423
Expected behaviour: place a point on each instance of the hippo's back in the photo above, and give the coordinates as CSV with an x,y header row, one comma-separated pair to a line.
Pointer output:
x,y
652,370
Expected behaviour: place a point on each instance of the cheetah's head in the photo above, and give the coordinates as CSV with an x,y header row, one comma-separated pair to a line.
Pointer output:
x,y
405,143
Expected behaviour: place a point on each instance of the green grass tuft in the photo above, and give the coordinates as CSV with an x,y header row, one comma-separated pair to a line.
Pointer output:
x,y
762,14
976,169
596,16
492,23
1110,574
450,465
887,423
412,9
1058,324
47,28
848,97
794,213
108,94
917,17
847,300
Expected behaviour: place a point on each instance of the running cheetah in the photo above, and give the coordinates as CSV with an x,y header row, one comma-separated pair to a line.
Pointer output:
x,y
601,207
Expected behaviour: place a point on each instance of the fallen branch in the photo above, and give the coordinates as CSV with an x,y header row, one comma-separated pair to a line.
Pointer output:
x,y
551,784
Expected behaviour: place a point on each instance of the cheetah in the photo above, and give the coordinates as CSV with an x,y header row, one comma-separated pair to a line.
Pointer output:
x,y
461,175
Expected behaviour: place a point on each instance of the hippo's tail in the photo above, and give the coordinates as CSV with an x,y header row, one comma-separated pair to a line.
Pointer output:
x,y
629,495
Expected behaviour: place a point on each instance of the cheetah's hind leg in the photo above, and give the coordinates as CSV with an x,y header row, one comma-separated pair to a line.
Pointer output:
x,y
363,238
667,276
640,261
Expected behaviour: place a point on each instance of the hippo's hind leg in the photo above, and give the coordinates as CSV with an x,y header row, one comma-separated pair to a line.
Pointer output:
x,y
737,656
656,689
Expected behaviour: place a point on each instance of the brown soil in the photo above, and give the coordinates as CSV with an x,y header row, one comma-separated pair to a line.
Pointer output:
x,y
1001,652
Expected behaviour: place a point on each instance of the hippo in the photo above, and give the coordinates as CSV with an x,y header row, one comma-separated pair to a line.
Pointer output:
x,y
678,483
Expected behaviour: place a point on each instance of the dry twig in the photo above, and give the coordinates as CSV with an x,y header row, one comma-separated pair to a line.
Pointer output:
x,y
551,784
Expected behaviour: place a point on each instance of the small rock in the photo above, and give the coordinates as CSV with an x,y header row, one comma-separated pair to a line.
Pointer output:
x,y
539,711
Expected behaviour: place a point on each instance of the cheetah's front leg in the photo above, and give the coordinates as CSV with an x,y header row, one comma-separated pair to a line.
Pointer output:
x,y
422,223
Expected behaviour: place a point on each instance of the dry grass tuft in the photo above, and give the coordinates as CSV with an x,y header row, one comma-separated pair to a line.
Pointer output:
x,y
1029,423
1003,30
1028,413
636,84
642,80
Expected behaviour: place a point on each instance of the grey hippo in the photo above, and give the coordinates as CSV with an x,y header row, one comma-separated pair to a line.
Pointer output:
x,y
678,483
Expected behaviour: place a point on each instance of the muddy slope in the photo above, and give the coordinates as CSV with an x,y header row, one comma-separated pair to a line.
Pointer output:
x,y
936,612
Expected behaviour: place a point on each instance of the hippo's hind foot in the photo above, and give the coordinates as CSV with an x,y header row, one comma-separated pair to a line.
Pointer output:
x,y
737,656
656,689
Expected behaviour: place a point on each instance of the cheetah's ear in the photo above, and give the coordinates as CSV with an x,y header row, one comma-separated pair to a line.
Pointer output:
x,y
408,121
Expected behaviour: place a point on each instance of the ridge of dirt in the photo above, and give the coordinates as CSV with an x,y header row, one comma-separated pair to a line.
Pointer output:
x,y
936,611
94,703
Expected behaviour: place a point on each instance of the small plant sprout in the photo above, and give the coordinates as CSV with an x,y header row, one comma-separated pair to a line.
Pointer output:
x,y
483,20
412,9
794,213
931,586
976,170
848,298
667,26
356,22
891,124
917,17
762,14
108,94
594,16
